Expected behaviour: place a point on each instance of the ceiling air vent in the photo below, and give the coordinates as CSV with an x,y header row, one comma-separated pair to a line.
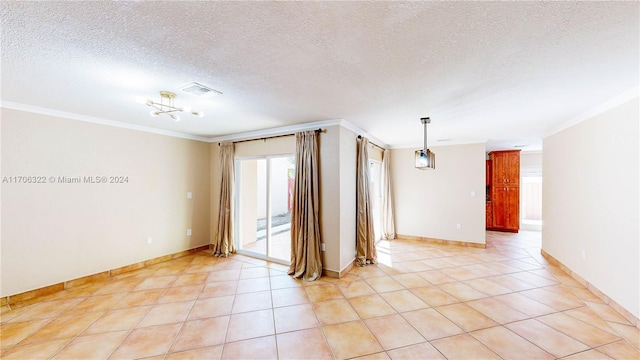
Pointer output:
x,y
199,89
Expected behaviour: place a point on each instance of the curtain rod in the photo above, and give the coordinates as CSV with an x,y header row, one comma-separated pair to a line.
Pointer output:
x,y
272,137
376,145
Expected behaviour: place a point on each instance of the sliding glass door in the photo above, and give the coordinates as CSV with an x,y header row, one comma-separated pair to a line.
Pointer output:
x,y
263,208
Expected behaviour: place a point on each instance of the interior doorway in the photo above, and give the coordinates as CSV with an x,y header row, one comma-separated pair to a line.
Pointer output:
x,y
531,201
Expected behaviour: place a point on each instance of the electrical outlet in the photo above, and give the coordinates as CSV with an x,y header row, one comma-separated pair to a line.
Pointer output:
x,y
188,232
324,248
189,195
584,254
458,226
149,240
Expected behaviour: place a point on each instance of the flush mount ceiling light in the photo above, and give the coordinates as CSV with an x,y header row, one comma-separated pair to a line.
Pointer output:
x,y
166,106
425,159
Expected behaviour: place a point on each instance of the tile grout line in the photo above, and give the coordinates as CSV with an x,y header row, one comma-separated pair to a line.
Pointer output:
x,y
129,331
321,325
273,315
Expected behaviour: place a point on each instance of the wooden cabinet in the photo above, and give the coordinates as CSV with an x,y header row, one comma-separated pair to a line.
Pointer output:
x,y
505,167
512,209
504,191
489,222
489,173
505,208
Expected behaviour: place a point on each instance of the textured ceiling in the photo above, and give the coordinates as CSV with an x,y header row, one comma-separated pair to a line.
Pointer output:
x,y
504,71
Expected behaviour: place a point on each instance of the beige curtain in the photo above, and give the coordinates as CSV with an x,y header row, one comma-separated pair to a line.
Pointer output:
x,y
306,260
365,238
388,225
223,241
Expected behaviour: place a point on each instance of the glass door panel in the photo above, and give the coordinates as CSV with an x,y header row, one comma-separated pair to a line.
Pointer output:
x,y
264,201
252,199
280,202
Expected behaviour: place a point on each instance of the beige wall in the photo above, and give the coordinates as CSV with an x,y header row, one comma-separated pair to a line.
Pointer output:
x,y
338,196
590,202
330,197
274,146
57,232
347,197
375,153
430,203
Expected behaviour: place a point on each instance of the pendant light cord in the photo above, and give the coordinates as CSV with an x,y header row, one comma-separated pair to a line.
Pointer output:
x,y
425,121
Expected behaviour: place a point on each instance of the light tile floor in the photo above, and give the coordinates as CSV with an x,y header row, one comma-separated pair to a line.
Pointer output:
x,y
422,301
280,246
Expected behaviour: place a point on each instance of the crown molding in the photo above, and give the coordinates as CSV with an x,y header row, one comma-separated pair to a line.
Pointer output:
x,y
347,125
249,135
257,134
597,110
95,120
232,137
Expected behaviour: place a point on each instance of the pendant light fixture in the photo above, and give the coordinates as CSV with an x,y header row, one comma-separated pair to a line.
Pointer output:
x,y
425,159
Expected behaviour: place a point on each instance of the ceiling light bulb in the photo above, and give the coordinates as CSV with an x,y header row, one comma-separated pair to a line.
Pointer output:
x,y
175,117
200,114
153,113
186,109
